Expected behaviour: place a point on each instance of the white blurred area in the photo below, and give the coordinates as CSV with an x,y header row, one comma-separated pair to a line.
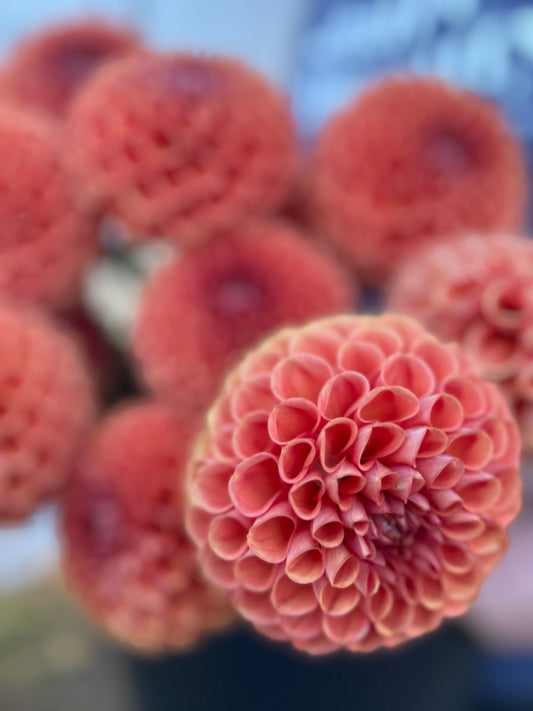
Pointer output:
x,y
262,34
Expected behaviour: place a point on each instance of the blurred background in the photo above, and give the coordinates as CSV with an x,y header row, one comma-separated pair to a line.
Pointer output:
x,y
321,52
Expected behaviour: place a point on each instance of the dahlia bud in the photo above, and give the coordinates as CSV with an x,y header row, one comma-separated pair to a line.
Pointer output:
x,y
478,290
413,158
46,407
354,484
124,547
199,313
48,69
46,240
209,143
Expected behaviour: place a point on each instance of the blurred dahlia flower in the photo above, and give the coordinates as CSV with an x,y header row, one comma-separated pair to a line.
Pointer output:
x,y
124,547
354,484
45,408
210,142
478,290
48,69
46,240
410,159
199,313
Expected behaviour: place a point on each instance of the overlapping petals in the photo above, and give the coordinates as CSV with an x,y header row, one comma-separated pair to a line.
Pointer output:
x,y
488,309
411,159
354,484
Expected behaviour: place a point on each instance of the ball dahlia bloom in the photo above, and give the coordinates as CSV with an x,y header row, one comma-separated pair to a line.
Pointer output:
x,y
46,406
48,69
478,290
46,239
410,159
210,142
354,484
125,552
200,312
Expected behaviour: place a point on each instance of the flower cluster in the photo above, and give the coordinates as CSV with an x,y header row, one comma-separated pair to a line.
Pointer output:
x,y
124,547
354,484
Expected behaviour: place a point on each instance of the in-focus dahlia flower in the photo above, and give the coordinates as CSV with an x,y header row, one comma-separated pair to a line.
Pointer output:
x,y
45,408
124,547
209,143
46,240
354,484
478,290
48,69
199,313
410,159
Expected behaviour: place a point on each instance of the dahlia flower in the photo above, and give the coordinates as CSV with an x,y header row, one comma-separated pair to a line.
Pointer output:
x,y
46,407
200,312
478,290
124,547
46,239
354,484
48,69
210,142
410,159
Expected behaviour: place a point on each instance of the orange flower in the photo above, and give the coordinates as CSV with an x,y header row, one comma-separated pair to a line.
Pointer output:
x,y
46,240
199,313
47,70
410,159
478,290
124,548
46,407
209,143
354,484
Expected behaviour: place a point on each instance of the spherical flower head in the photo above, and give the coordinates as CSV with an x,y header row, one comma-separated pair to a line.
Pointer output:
x,y
354,484
46,406
47,70
478,290
410,159
46,239
125,552
199,313
210,142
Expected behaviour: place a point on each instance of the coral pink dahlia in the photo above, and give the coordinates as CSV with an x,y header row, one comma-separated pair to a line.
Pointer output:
x,y
45,408
410,159
210,142
478,290
354,484
48,69
124,547
199,313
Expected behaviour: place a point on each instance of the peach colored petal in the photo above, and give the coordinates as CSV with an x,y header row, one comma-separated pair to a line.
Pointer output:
x,y
295,459
346,629
300,375
376,441
470,395
442,471
197,524
255,484
473,447
256,607
437,356
218,570
397,619
463,526
305,496
291,598
291,419
409,372
378,478
420,442
254,394
209,485
336,601
388,404
227,535
255,574
379,605
445,501
342,567
479,492
335,438
388,340
251,435
270,535
430,592
305,559
341,394
356,517
327,528
442,411
343,484
302,627
462,586
360,358
324,344
456,558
